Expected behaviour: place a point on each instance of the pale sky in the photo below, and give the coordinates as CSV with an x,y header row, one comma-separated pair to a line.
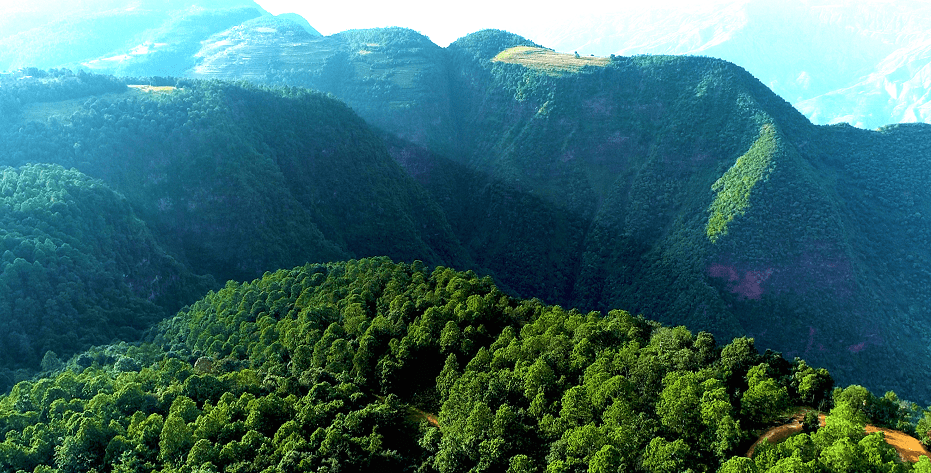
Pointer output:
x,y
443,22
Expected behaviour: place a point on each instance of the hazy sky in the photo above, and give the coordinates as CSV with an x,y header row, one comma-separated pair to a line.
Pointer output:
x,y
442,22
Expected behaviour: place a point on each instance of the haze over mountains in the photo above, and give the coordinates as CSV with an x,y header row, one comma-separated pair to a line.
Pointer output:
x,y
865,63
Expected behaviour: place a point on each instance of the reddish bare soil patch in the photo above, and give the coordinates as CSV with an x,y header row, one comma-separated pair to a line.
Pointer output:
x,y
436,422
417,415
909,448
779,433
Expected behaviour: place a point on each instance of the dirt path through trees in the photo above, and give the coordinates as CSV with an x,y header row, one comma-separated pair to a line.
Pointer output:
x,y
779,433
909,448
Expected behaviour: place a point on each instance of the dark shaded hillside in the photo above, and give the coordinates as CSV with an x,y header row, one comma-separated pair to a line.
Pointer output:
x,y
77,268
236,179
881,186
534,245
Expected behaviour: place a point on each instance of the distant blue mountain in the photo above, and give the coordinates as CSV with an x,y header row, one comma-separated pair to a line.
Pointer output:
x,y
299,20
145,37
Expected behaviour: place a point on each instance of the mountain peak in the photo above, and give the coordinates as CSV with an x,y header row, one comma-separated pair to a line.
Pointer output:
x,y
486,44
300,20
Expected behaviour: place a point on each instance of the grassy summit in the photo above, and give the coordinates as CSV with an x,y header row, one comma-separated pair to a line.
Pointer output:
x,y
547,60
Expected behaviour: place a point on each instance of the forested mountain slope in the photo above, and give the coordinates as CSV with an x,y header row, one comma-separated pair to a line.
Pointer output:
x,y
372,365
236,179
680,188
78,268
344,364
393,77
208,178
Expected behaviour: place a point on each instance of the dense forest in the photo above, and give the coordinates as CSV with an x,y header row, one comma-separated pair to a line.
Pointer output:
x,y
236,179
683,189
77,269
375,365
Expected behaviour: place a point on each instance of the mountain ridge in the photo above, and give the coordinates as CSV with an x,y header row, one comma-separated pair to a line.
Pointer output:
x,y
810,52
633,160
849,77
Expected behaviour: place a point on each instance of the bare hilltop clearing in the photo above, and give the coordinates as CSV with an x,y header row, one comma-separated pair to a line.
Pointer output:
x,y
548,61
63,109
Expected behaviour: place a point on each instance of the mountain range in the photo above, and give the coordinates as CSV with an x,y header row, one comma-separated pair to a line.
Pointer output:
x,y
596,206
680,187
677,187
863,63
